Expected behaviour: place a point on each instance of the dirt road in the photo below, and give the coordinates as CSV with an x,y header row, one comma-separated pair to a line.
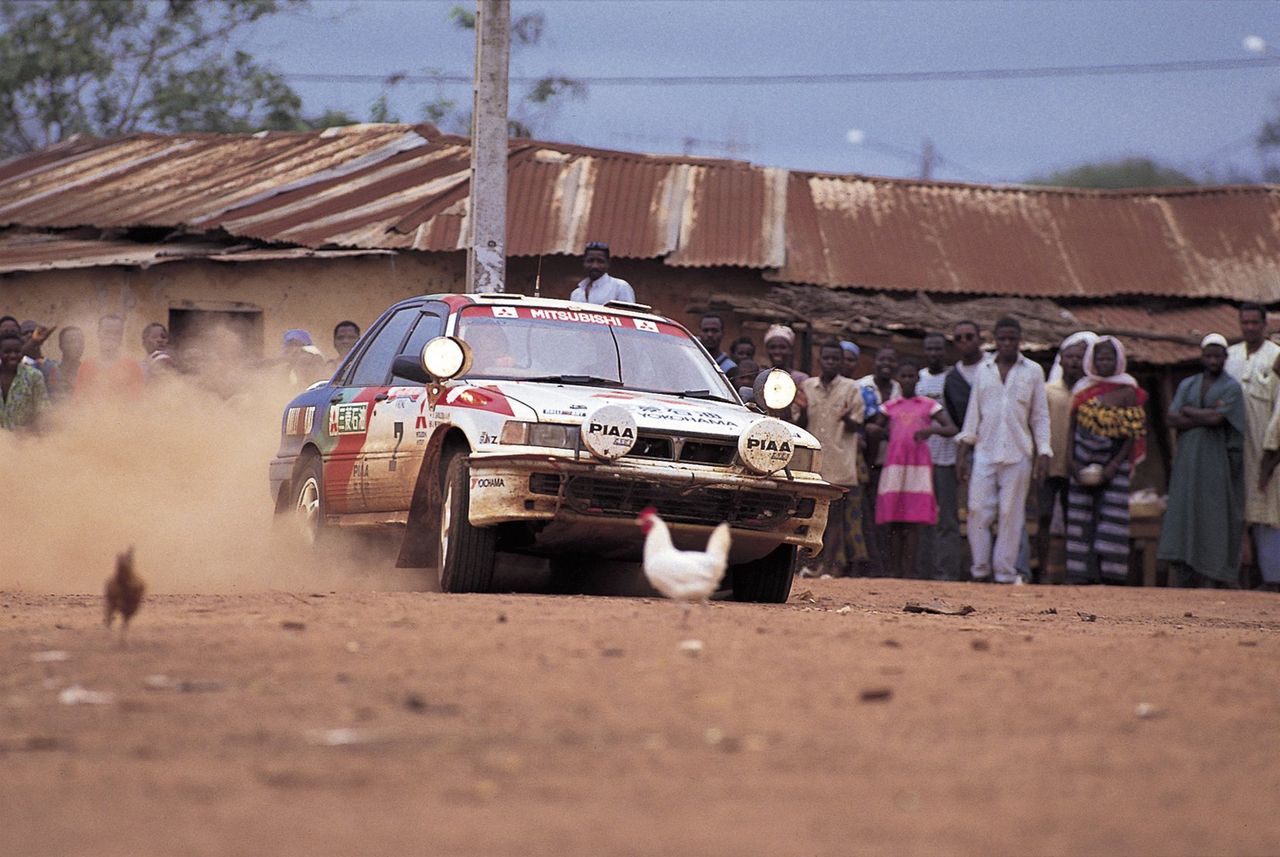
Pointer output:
x,y
393,723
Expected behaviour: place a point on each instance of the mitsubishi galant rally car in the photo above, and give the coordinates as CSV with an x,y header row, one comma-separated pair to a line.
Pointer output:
x,y
476,424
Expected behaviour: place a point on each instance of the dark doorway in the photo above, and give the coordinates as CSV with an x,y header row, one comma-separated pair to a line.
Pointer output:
x,y
218,328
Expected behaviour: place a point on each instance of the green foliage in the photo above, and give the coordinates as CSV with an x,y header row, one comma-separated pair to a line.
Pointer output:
x,y
543,96
549,88
380,111
1268,143
1117,175
111,67
332,118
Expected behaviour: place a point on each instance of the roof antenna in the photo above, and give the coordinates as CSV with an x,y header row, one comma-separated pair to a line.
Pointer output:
x,y
537,280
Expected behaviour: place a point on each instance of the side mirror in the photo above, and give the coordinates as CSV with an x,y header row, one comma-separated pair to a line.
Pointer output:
x,y
747,394
409,366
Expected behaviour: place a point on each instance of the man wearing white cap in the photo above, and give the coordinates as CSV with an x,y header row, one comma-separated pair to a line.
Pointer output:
x,y
1252,362
1204,523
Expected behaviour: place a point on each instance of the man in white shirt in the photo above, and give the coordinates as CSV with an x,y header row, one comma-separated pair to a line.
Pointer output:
x,y
1006,427
598,287
1253,363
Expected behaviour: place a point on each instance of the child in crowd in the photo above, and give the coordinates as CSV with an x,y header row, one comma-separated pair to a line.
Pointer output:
x,y
905,499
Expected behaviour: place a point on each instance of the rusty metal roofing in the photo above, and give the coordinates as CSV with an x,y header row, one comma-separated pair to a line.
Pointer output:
x,y
399,187
1161,335
21,251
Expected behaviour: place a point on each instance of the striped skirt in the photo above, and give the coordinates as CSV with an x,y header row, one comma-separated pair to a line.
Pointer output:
x,y
1098,518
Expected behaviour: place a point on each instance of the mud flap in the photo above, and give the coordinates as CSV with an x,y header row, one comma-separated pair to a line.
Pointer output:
x,y
421,545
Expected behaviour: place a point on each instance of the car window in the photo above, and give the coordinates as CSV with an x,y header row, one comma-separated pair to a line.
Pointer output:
x,y
523,343
374,366
429,326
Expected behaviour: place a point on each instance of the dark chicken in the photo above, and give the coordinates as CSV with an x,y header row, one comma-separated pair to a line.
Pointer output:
x,y
123,593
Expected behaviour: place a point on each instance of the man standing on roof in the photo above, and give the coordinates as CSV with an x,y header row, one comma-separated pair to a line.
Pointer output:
x,y
598,287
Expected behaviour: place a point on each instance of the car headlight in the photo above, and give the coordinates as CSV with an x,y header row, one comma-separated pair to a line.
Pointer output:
x,y
554,435
806,460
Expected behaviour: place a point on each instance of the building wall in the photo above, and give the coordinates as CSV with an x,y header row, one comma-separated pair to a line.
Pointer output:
x,y
313,294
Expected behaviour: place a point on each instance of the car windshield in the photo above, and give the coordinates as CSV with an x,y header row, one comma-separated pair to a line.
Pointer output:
x,y
596,348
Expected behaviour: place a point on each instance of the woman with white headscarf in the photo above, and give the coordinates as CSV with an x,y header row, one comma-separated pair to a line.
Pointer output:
x,y
1107,439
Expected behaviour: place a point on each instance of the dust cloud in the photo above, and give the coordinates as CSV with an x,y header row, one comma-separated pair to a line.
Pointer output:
x,y
181,473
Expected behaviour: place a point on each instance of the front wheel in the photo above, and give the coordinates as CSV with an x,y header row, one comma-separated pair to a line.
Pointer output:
x,y
766,580
308,501
467,553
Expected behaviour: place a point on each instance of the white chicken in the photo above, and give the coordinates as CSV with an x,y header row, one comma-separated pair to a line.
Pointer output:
x,y
683,576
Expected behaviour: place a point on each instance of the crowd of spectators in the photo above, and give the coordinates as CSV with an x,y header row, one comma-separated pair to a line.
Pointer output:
x,y
33,380
915,446
989,437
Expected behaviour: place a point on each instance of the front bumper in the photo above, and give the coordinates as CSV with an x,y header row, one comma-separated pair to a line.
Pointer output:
x,y
591,507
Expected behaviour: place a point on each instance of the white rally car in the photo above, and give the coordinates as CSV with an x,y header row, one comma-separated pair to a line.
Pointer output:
x,y
485,423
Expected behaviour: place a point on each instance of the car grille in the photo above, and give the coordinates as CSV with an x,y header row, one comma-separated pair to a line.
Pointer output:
x,y
589,495
688,450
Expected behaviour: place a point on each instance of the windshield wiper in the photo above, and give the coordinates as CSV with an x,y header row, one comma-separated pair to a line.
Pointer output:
x,y
703,394
584,380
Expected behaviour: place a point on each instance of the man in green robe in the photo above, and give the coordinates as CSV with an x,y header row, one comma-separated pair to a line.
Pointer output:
x,y
1204,522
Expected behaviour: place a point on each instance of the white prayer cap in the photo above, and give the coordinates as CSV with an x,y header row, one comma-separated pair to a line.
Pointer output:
x,y
1213,339
780,331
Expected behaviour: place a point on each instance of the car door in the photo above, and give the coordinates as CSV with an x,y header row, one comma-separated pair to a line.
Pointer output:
x,y
399,426
362,387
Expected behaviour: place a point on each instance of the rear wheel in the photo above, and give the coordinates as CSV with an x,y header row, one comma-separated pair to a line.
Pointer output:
x,y
467,553
766,580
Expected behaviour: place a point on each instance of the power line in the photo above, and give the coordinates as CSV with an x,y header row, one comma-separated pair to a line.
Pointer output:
x,y
1179,66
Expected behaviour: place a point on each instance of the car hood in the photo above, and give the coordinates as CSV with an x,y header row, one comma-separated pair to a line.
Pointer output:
x,y
563,403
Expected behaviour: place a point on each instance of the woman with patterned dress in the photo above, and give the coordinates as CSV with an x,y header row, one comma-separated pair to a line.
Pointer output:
x,y
1107,440
905,498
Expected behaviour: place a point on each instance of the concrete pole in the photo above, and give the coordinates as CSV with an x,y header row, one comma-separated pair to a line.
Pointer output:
x,y
487,238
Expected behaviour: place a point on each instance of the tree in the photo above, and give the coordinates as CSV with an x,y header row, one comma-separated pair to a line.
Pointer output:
x,y
111,67
526,112
1117,175
1268,143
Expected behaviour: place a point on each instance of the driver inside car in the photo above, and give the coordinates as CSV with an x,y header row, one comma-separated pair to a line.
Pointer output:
x,y
490,350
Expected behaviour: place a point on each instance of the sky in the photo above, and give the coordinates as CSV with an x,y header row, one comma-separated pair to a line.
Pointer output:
x,y
982,130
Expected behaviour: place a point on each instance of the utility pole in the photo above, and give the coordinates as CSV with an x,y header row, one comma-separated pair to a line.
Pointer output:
x,y
487,212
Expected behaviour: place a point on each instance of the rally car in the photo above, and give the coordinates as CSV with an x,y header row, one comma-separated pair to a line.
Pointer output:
x,y
482,423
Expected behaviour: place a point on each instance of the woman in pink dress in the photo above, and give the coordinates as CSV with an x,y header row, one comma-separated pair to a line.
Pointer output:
x,y
905,500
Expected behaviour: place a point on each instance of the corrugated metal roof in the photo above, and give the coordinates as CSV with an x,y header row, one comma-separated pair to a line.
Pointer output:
x,y
851,231
1161,336
399,187
49,252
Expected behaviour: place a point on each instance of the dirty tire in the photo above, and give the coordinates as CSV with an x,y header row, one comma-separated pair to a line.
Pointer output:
x,y
306,506
766,580
467,553
566,575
